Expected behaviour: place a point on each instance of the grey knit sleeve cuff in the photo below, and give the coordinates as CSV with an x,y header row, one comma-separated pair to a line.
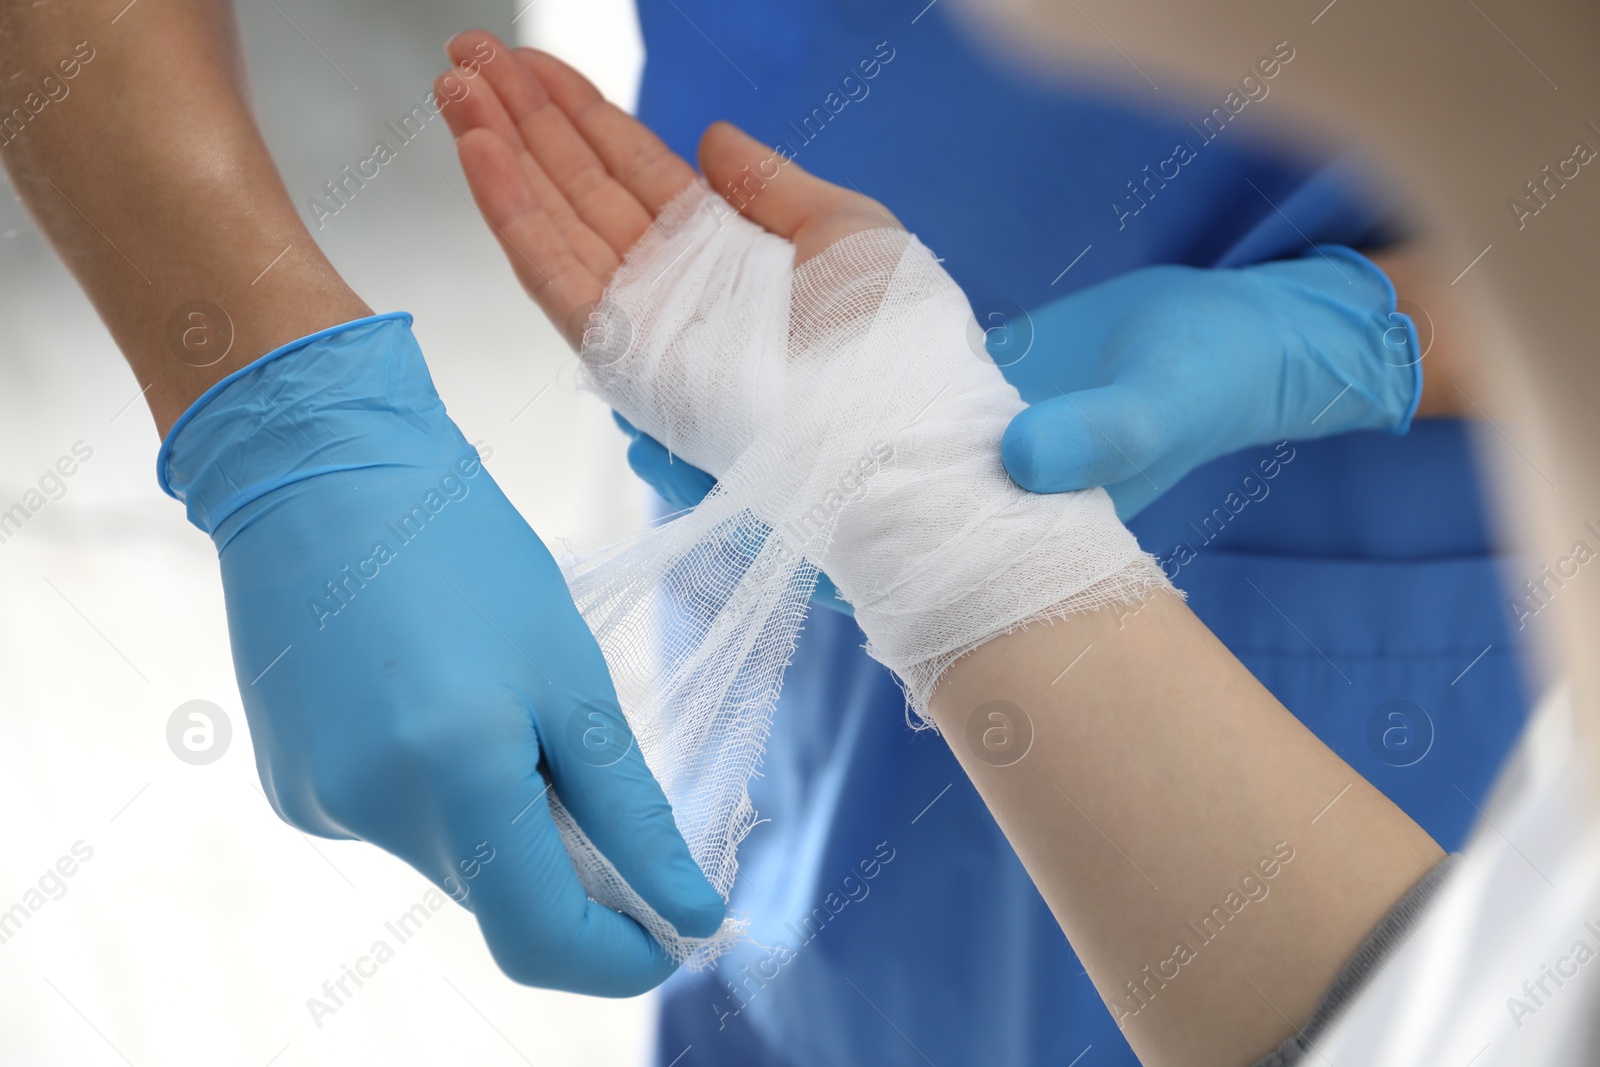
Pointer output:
x,y
1360,968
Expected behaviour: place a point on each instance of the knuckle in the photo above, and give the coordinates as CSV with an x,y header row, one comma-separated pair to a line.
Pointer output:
x,y
551,952
292,813
1137,435
410,752
527,955
344,800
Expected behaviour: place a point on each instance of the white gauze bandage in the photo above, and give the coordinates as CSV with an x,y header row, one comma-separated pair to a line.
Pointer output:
x,y
852,429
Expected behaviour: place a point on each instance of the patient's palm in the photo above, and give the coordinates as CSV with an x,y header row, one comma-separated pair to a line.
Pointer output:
x,y
569,182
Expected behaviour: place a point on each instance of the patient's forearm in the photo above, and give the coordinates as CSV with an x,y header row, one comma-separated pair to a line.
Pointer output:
x,y
150,179
1161,778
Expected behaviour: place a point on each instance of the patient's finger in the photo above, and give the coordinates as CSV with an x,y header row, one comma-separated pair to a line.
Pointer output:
x,y
543,260
598,200
777,194
632,154
479,107
486,107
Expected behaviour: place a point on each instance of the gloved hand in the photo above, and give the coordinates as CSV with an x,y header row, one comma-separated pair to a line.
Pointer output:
x,y
413,668
1136,381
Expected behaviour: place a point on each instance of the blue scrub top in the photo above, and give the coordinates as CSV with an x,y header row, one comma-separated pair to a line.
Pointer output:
x,y
1353,576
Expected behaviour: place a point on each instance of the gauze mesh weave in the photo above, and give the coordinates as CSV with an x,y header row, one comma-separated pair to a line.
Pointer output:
x,y
852,429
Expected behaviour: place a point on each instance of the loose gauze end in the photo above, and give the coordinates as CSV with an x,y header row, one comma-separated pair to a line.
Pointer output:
x,y
852,429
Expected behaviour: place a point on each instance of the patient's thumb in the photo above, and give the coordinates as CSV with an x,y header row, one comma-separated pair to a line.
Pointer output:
x,y
1079,440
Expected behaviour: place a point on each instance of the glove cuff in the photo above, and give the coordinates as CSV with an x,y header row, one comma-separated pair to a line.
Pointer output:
x,y
352,396
1398,377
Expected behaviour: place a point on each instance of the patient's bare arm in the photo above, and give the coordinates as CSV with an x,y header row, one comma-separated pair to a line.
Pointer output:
x,y
1163,783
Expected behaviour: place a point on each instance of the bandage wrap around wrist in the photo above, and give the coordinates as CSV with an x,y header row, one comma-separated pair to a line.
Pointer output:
x,y
852,428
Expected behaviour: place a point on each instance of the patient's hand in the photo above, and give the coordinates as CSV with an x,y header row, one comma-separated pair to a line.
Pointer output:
x,y
569,181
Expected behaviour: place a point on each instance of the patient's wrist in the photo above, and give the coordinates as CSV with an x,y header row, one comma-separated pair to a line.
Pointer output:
x,y
841,403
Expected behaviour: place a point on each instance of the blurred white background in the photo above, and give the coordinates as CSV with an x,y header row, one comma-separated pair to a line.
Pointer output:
x,y
200,924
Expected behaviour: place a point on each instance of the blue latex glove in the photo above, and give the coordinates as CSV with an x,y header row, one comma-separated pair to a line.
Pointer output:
x,y
413,668
1136,381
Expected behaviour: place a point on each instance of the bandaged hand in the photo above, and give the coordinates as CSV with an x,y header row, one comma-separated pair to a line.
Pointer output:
x,y
791,340
788,338
567,197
